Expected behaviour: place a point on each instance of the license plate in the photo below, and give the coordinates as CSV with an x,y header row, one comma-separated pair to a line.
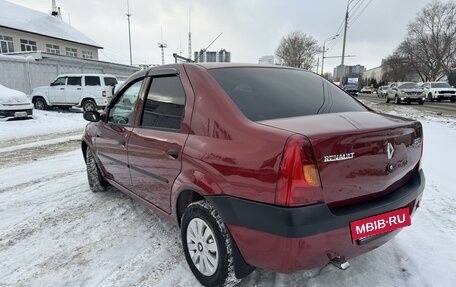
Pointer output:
x,y
20,114
380,223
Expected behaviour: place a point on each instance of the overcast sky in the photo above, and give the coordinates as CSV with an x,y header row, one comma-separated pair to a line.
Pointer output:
x,y
250,29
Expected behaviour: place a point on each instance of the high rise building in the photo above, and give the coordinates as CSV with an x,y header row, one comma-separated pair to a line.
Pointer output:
x,y
222,56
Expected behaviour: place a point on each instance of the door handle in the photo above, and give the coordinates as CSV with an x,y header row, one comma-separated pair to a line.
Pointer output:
x,y
78,89
174,153
62,88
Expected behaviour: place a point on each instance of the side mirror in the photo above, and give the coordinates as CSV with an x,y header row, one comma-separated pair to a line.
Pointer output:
x,y
51,84
92,116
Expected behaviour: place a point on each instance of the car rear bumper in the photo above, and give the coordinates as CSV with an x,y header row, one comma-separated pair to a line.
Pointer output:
x,y
285,239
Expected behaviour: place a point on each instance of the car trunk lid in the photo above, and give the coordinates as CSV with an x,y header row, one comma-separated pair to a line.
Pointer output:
x,y
360,155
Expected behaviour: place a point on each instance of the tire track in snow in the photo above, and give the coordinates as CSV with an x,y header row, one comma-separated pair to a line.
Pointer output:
x,y
20,156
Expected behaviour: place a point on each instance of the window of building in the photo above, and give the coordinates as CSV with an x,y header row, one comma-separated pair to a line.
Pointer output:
x,y
87,54
71,52
28,45
53,49
164,106
92,81
6,44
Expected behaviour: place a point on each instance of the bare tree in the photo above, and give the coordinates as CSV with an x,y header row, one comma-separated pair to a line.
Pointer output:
x,y
297,50
430,46
397,68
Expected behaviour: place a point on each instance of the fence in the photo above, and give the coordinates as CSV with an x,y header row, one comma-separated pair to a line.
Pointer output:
x,y
28,71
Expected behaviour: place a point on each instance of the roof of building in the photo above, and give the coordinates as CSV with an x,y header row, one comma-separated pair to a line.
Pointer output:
x,y
28,20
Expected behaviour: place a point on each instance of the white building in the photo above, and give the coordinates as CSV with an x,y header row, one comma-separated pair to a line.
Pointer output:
x,y
267,60
26,30
374,73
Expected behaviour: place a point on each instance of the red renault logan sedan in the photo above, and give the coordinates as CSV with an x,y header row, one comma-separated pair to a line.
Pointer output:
x,y
261,166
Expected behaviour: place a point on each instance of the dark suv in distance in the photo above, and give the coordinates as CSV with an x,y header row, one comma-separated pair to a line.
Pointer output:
x,y
261,166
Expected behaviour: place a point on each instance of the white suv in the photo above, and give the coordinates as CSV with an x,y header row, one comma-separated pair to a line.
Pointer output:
x,y
89,91
439,91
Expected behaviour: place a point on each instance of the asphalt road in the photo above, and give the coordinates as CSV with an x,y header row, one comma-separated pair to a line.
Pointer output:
x,y
445,108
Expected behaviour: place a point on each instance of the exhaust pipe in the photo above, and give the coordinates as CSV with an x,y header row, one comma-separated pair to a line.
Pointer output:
x,y
340,262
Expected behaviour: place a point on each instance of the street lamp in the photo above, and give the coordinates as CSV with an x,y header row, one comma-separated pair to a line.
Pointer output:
x,y
324,48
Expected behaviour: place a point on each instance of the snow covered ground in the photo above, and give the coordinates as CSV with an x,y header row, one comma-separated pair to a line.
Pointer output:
x,y
55,232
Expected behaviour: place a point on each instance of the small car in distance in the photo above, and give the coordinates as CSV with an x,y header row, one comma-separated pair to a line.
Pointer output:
x,y
439,91
352,90
382,91
14,104
367,90
405,92
260,166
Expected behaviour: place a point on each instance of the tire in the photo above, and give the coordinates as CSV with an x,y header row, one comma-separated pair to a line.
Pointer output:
x,y
453,100
89,105
40,104
96,181
387,99
396,100
421,103
430,97
200,220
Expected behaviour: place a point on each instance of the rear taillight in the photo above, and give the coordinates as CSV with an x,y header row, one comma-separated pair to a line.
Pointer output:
x,y
299,179
103,94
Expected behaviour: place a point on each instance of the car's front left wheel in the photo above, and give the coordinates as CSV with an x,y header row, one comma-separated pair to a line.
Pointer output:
x,y
207,245
96,181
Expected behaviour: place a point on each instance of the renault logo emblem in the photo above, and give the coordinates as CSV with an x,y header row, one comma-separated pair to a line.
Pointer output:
x,y
389,151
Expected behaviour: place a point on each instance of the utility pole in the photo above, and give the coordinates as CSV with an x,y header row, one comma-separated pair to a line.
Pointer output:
x,y
345,33
162,46
190,34
129,31
324,50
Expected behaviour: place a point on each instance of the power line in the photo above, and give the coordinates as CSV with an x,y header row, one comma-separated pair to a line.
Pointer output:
x,y
355,17
355,6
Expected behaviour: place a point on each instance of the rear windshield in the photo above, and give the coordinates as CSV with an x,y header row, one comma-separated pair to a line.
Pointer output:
x,y
272,93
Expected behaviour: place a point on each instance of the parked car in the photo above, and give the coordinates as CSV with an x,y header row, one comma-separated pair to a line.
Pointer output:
x,y
352,90
89,91
407,92
14,104
260,166
382,91
367,90
439,91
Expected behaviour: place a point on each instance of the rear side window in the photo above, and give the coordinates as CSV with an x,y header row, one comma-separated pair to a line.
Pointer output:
x,y
110,81
74,81
165,103
272,93
92,81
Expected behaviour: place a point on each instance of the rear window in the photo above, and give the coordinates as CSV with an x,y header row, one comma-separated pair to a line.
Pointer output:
x,y
74,81
110,81
272,93
92,81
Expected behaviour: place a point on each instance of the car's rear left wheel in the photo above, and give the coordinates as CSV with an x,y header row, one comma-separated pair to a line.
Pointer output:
x,y
397,100
207,245
96,181
89,105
